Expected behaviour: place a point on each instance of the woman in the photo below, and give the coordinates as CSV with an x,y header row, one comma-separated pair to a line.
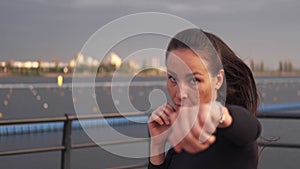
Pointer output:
x,y
220,136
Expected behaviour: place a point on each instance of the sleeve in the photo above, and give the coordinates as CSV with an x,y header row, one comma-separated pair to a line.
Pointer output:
x,y
166,163
152,166
245,127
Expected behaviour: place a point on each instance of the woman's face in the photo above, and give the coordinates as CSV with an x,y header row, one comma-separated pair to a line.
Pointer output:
x,y
189,83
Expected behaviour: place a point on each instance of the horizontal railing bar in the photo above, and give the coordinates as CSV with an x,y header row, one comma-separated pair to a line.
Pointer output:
x,y
74,146
34,120
279,145
87,145
129,166
279,107
106,115
70,117
33,150
44,124
283,115
279,115
104,143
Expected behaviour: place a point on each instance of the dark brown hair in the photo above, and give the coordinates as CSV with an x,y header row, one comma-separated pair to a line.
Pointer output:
x,y
240,85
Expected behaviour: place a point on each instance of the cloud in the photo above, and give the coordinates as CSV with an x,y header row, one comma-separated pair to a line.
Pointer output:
x,y
91,3
225,7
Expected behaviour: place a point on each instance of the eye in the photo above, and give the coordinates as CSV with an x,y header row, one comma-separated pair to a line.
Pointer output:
x,y
194,81
172,79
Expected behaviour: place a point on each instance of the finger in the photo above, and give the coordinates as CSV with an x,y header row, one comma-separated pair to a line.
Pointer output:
x,y
168,109
175,143
156,119
200,132
168,105
204,136
191,149
209,126
207,122
156,115
192,144
165,117
178,148
173,117
210,140
203,113
197,135
183,145
164,112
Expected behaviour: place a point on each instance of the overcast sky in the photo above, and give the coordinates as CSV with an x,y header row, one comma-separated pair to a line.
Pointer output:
x,y
267,30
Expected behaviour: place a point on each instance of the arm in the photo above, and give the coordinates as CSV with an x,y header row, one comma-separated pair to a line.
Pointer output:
x,y
244,127
156,162
157,155
166,162
159,128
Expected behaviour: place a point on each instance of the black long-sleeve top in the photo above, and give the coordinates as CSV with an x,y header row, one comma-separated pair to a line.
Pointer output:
x,y
235,147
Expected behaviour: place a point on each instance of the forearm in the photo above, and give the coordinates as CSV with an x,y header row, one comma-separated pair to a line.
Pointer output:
x,y
157,154
244,128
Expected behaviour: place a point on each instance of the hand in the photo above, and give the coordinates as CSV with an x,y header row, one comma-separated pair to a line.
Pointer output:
x,y
186,131
159,124
195,126
209,117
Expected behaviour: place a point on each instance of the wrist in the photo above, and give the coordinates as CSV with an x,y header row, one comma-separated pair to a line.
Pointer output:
x,y
225,119
157,153
157,148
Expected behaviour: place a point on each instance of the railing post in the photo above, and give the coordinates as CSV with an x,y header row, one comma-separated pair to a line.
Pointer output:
x,y
67,143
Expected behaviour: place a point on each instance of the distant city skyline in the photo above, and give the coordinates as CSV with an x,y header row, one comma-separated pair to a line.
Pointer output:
x,y
265,31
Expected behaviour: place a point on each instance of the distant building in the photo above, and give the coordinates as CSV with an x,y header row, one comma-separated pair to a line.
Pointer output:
x,y
3,67
90,61
81,60
2,64
47,65
77,60
134,65
26,64
155,62
114,59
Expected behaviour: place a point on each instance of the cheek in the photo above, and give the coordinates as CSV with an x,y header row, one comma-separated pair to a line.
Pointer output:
x,y
205,93
171,90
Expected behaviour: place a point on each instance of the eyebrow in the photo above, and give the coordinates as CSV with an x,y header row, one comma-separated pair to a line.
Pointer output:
x,y
197,73
187,75
172,73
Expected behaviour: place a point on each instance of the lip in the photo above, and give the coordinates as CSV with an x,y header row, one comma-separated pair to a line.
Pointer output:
x,y
178,105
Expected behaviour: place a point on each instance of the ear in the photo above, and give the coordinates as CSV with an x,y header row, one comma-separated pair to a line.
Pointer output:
x,y
219,79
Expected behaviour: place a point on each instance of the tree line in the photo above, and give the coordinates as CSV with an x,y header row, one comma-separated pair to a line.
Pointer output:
x,y
283,66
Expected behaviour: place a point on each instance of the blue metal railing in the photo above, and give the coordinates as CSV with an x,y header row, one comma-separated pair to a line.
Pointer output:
x,y
27,128
279,107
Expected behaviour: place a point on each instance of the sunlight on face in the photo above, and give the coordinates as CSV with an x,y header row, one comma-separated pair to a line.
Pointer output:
x,y
189,83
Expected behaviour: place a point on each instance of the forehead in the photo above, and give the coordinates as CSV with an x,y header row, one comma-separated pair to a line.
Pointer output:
x,y
185,61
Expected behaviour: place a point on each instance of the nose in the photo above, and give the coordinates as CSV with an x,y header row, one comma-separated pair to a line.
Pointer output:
x,y
182,92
